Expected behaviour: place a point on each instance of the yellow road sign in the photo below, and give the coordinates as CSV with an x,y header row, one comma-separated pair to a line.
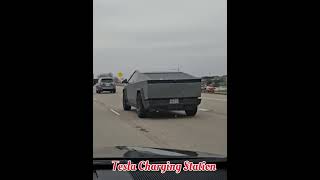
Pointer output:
x,y
120,74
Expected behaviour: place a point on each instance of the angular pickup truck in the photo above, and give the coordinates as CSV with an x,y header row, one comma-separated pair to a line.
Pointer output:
x,y
157,91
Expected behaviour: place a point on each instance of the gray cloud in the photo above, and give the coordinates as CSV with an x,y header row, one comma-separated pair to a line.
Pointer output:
x,y
158,35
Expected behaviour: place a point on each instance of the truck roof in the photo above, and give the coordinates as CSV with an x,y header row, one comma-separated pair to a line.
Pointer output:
x,y
164,75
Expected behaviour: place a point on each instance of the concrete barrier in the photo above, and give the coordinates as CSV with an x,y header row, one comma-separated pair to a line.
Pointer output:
x,y
222,92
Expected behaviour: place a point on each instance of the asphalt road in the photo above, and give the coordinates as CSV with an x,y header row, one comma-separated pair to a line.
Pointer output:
x,y
206,132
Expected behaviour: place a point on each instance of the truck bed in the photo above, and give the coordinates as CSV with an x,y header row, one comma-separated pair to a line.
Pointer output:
x,y
185,88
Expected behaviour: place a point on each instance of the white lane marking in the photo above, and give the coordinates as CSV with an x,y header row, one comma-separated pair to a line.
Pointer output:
x,y
214,99
115,112
201,109
115,107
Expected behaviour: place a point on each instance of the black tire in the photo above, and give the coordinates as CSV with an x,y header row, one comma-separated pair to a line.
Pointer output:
x,y
125,105
192,112
114,91
139,105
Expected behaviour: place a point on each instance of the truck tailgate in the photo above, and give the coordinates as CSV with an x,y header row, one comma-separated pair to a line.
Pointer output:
x,y
173,88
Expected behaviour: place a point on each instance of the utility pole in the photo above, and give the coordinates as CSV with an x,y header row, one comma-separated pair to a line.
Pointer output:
x,y
176,69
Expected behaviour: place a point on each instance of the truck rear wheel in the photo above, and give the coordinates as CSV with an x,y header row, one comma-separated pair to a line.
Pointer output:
x,y
192,112
126,107
140,109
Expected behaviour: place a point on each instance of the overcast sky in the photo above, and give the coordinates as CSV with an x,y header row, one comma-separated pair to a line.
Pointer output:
x,y
159,35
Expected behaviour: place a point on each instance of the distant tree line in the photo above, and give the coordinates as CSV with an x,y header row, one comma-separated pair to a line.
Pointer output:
x,y
105,75
116,79
215,80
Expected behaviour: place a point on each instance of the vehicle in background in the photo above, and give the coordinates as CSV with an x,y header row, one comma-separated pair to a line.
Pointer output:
x,y
221,88
203,88
157,91
106,84
95,81
210,89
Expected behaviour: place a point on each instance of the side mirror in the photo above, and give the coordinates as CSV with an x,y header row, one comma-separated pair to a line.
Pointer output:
x,y
125,81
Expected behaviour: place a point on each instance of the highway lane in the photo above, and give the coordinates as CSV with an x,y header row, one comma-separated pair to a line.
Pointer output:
x,y
206,132
107,130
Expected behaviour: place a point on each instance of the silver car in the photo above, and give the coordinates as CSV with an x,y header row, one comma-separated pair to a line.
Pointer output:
x,y
106,84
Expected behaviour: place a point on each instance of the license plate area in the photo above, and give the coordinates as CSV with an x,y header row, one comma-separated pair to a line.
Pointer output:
x,y
174,101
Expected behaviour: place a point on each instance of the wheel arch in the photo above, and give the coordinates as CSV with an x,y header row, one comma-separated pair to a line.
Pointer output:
x,y
140,91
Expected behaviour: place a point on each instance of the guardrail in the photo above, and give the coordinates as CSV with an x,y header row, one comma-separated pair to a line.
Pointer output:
x,y
224,92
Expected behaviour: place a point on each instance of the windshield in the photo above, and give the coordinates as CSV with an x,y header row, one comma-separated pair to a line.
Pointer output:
x,y
106,80
173,55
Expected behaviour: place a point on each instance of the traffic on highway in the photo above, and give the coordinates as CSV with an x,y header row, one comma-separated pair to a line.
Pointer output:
x,y
168,113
